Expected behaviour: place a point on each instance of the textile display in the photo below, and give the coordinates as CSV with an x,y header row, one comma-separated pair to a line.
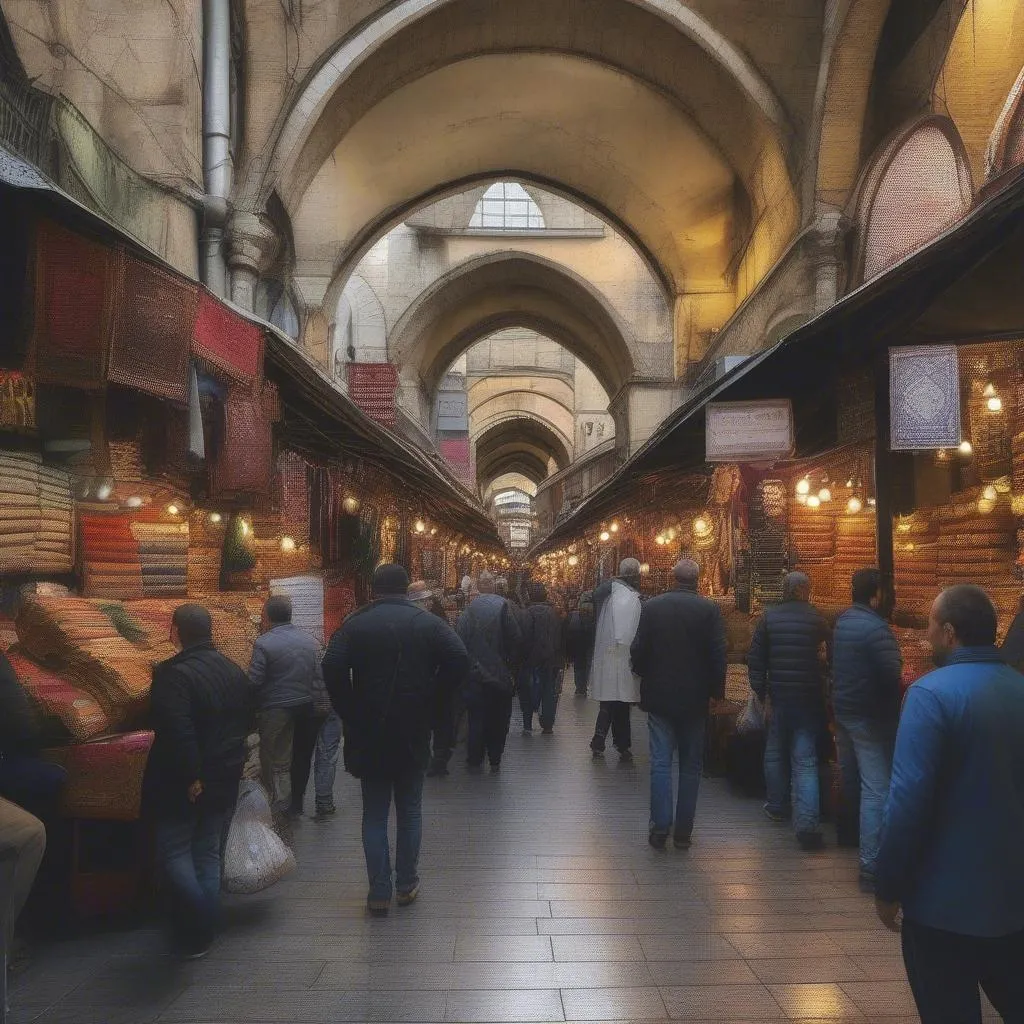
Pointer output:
x,y
152,331
293,475
110,557
79,714
372,387
243,463
75,284
104,777
339,603
36,516
17,401
196,436
227,341
307,594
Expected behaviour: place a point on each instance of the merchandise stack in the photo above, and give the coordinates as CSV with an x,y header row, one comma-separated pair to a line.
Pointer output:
x,y
36,515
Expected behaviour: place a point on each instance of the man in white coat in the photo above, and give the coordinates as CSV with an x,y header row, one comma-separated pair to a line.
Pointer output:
x,y
612,682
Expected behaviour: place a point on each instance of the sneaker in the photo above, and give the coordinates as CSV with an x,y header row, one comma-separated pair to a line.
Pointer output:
x,y
810,842
406,899
377,908
866,883
527,732
773,815
657,839
682,842
597,755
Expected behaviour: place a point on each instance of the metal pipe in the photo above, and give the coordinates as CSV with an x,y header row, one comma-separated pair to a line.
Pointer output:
x,y
216,140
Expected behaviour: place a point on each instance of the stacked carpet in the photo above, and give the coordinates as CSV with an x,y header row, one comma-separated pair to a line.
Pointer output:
x,y
80,715
36,515
163,555
855,545
125,557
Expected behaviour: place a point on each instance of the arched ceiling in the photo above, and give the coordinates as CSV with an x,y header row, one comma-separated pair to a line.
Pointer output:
x,y
638,107
511,290
522,444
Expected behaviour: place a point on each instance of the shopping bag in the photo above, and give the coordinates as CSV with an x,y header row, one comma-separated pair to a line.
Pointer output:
x,y
255,858
751,718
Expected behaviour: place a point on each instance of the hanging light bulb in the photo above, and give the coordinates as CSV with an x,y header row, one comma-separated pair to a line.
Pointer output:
x,y
605,536
801,499
903,527
645,569
701,527
990,493
573,561
985,505
872,502
350,505
672,534
105,489
966,449
660,540
824,495
433,531
803,486
614,527
134,501
173,510
287,543
813,501
419,526
854,505
995,404
215,518
243,528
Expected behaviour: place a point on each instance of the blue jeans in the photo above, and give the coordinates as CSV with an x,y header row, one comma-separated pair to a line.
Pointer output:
x,y
408,795
791,760
666,736
188,851
865,749
325,761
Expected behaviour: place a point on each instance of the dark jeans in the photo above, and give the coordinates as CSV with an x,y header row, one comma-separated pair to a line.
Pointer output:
x,y
407,791
444,729
581,672
307,731
32,783
666,737
945,971
614,715
538,690
188,851
489,717
791,763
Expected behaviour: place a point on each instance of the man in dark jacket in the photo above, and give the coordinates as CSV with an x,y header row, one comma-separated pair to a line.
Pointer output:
x,y
285,672
787,664
866,673
382,669
953,833
200,706
543,657
679,652
490,630
579,641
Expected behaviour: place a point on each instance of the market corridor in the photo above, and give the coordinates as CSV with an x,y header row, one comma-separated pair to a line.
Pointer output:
x,y
541,902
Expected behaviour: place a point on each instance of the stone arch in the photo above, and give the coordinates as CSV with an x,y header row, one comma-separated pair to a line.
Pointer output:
x,y
544,411
1006,146
360,331
918,186
520,443
513,289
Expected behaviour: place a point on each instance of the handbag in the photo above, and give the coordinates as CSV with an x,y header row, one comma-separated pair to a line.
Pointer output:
x,y
752,718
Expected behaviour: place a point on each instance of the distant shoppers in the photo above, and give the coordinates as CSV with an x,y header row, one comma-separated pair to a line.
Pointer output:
x,y
954,823
679,652
200,707
490,630
787,665
285,672
383,669
579,641
445,713
612,681
866,672
543,659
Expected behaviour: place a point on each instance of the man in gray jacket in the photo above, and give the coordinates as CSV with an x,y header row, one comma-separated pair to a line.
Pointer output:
x,y
286,674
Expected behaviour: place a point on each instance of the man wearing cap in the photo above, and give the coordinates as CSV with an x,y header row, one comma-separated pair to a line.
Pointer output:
x,y
680,655
788,664
386,669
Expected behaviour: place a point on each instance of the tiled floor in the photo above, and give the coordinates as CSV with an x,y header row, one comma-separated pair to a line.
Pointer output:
x,y
541,902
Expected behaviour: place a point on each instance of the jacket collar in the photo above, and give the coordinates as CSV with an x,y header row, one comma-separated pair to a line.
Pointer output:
x,y
206,645
687,588
969,655
861,607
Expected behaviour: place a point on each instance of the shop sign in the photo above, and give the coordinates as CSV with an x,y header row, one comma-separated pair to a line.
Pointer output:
x,y
453,411
924,395
750,431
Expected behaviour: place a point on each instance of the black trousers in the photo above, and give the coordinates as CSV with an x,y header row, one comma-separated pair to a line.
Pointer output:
x,y
307,729
489,717
614,715
946,970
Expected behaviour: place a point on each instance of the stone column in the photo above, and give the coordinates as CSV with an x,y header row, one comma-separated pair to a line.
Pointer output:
x,y
826,248
253,244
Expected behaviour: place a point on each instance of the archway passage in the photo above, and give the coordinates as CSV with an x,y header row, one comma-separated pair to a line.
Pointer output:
x,y
519,444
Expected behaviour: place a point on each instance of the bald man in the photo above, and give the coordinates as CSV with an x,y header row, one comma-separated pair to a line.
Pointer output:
x,y
679,652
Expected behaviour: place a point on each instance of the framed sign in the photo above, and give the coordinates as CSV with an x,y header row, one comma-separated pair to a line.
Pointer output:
x,y
453,411
750,431
924,395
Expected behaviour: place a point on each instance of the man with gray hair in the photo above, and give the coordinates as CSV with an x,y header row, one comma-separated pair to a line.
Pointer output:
x,y
679,652
788,663
612,681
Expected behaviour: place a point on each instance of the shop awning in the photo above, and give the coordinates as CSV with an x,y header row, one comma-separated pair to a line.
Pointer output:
x,y
963,287
319,419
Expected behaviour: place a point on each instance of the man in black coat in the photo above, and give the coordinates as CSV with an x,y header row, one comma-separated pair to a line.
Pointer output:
x,y
201,709
788,663
383,668
543,655
679,652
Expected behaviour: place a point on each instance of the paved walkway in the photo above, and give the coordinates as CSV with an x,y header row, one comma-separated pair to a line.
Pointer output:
x,y
541,901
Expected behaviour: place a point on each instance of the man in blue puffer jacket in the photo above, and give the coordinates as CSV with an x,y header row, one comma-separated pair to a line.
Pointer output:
x,y
866,673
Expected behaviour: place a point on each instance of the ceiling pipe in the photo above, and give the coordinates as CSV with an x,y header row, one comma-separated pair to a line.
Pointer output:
x,y
217,169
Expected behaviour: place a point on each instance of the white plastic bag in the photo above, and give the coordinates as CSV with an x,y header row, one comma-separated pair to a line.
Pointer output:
x,y
254,857
751,718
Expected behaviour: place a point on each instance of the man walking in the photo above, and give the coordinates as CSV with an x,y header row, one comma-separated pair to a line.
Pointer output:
x,y
679,652
579,641
786,663
200,706
489,629
612,681
383,669
286,675
543,657
866,674
954,824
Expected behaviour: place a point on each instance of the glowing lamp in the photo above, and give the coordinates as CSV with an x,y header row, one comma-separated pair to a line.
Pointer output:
x,y
701,527
614,527
813,501
985,506
824,495
573,561
105,490
645,569
215,518
605,536
419,526
966,449
244,528
660,540
134,501
854,505
803,486
350,505
990,493
173,510
287,543
995,404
